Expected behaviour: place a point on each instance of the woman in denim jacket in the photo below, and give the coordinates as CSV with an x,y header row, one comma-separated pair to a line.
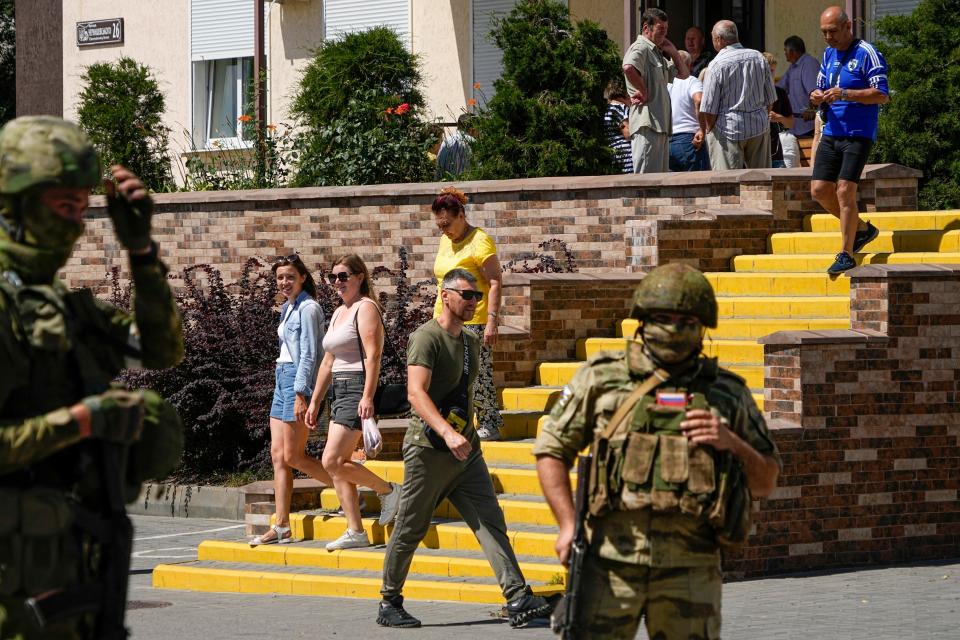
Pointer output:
x,y
299,335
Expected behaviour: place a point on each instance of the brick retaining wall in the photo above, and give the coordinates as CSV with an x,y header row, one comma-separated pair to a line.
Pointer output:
x,y
868,423
591,214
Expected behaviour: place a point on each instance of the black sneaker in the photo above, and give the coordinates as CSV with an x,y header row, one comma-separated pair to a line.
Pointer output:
x,y
865,237
527,607
392,614
844,262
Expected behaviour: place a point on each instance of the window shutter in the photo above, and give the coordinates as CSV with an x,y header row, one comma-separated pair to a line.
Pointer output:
x,y
893,7
487,56
346,16
221,29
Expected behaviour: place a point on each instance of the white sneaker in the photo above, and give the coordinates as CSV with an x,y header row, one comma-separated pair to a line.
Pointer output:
x,y
390,504
487,435
350,540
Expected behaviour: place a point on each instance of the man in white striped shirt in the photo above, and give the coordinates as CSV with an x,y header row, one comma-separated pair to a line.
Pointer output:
x,y
737,96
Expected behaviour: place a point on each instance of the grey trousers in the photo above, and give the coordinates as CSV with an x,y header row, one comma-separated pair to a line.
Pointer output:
x,y
429,476
752,153
650,150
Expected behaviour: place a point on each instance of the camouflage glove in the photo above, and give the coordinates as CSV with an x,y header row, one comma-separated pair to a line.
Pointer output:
x,y
116,415
131,220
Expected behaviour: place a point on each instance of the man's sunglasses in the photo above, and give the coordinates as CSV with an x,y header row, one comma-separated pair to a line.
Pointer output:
x,y
468,294
343,276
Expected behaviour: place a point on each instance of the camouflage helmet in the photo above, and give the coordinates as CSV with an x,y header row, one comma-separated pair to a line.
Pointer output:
x,y
45,151
676,288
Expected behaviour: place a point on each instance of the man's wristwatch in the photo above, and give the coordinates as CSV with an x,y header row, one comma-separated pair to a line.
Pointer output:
x,y
843,94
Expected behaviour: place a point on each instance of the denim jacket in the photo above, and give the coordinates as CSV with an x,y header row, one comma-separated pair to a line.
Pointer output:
x,y
303,335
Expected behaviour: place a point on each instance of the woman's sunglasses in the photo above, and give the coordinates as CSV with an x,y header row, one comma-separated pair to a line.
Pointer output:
x,y
468,294
293,257
343,276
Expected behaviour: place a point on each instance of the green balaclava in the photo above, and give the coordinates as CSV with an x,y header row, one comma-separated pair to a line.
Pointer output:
x,y
38,153
674,289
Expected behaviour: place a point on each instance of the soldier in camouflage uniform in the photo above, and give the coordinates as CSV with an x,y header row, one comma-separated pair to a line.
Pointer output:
x,y
653,552
73,449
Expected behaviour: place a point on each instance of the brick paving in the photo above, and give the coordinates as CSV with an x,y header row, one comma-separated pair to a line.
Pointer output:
x,y
902,601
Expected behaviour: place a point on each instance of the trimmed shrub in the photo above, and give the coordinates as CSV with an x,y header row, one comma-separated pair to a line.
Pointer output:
x,y
224,386
360,108
121,109
546,118
920,126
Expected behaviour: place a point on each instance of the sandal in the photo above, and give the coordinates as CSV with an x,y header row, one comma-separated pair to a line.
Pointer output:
x,y
281,535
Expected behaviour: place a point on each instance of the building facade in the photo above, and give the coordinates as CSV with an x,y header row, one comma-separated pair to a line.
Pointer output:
x,y
201,51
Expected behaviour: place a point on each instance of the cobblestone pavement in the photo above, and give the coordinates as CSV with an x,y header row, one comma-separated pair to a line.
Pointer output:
x,y
916,601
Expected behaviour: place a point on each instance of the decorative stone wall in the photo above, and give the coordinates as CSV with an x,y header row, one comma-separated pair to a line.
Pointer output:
x,y
868,422
591,214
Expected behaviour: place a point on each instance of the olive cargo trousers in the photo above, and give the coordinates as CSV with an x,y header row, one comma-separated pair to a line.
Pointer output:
x,y
429,476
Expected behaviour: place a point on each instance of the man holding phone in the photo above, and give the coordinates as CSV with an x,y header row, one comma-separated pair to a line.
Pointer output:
x,y
850,89
442,458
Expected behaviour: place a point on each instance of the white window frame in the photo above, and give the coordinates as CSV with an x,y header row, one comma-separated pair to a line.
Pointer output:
x,y
209,73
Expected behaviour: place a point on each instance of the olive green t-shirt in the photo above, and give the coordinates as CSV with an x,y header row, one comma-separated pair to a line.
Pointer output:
x,y
432,347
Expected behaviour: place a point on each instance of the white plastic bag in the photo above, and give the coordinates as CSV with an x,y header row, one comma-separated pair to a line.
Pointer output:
x,y
791,149
372,440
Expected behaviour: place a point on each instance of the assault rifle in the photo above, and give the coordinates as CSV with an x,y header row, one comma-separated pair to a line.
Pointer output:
x,y
564,619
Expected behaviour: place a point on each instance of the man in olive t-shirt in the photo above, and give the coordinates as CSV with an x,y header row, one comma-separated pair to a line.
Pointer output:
x,y
446,462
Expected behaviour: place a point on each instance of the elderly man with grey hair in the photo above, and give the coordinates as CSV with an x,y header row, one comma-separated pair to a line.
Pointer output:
x,y
737,96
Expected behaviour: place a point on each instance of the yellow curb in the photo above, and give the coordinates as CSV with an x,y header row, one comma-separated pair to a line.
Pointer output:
x,y
238,581
354,560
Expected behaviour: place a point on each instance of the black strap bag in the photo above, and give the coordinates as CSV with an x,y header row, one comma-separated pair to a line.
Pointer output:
x,y
390,399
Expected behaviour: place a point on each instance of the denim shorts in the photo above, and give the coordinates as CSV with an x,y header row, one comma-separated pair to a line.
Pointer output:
x,y
347,392
283,394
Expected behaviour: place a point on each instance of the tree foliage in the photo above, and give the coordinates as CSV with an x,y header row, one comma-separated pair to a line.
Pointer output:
x,y
8,63
546,118
360,108
920,127
121,109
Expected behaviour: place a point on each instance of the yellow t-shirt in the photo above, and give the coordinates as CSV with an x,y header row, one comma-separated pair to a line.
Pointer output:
x,y
470,254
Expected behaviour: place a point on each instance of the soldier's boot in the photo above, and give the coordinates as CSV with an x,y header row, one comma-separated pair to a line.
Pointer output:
x,y
526,607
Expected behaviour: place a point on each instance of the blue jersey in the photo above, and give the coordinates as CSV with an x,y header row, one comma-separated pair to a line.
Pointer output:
x,y
863,67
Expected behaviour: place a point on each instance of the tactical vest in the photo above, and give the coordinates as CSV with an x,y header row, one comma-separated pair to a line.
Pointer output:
x,y
649,463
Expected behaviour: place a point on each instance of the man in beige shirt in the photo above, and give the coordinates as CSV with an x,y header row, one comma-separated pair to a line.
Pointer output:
x,y
647,71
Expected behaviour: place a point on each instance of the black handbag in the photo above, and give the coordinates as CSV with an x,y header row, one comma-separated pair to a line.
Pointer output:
x,y
390,399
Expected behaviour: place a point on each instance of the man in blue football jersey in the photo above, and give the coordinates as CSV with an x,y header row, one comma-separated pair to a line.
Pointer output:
x,y
851,86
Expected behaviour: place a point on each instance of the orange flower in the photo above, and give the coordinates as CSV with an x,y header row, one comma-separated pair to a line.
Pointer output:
x,y
245,118
471,102
271,127
388,110
402,109
476,85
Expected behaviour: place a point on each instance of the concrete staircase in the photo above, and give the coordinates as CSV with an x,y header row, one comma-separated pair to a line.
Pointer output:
x,y
785,289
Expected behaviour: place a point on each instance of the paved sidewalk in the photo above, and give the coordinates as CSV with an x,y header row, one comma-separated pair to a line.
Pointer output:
x,y
919,601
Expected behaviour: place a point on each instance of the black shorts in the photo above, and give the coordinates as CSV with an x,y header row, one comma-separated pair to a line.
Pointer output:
x,y
841,158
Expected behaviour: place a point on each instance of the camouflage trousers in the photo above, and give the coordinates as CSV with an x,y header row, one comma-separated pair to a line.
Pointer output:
x,y
486,406
15,625
675,603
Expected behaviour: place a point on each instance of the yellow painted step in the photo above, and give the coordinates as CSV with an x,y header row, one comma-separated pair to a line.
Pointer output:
x,y
820,261
505,452
891,220
728,351
780,284
756,327
519,424
294,555
505,479
186,577
785,307
439,536
530,398
886,242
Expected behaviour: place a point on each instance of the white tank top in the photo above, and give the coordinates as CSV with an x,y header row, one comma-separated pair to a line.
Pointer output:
x,y
343,341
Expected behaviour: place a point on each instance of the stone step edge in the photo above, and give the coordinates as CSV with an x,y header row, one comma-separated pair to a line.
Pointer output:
x,y
365,560
188,578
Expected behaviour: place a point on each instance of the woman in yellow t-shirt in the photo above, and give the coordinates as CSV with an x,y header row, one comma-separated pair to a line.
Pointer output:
x,y
467,247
